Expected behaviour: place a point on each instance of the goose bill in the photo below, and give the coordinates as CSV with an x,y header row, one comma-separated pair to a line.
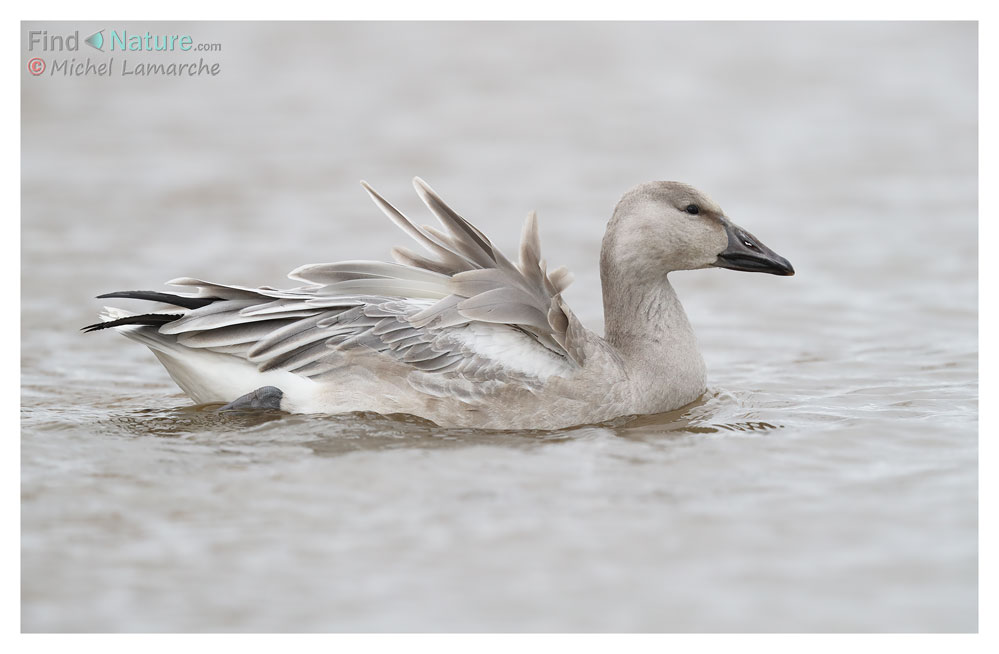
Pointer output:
x,y
747,253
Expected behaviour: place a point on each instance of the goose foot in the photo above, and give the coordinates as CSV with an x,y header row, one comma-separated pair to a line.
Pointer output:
x,y
265,397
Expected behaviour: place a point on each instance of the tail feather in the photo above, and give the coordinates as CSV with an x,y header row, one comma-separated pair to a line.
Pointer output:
x,y
147,319
168,298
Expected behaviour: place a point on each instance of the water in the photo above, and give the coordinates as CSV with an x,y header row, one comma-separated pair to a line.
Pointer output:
x,y
826,481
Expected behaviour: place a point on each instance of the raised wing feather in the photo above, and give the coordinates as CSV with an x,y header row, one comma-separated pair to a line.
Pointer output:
x,y
525,296
463,315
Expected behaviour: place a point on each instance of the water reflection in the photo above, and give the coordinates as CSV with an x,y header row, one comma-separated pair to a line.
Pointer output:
x,y
186,421
716,412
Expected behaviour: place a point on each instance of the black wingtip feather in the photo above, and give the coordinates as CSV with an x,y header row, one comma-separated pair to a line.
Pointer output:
x,y
149,319
168,298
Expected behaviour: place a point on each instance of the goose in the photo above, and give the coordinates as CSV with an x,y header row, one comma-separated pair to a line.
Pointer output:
x,y
459,335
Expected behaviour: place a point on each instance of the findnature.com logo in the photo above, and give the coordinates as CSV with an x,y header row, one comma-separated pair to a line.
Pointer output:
x,y
113,40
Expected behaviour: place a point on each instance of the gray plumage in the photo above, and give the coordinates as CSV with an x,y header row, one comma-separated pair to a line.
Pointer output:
x,y
462,335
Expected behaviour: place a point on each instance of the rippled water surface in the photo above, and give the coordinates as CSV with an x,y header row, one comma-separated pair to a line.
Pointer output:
x,y
826,481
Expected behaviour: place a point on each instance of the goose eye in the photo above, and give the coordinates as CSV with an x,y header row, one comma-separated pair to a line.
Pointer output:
x,y
693,209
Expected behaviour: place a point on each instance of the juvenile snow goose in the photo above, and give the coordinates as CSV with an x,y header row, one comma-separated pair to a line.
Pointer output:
x,y
463,337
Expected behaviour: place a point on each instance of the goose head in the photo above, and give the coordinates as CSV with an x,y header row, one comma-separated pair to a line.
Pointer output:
x,y
667,226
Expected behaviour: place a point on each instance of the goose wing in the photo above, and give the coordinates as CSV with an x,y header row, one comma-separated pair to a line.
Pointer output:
x,y
463,314
482,284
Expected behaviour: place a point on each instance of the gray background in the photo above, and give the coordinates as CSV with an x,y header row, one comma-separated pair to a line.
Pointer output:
x,y
827,480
